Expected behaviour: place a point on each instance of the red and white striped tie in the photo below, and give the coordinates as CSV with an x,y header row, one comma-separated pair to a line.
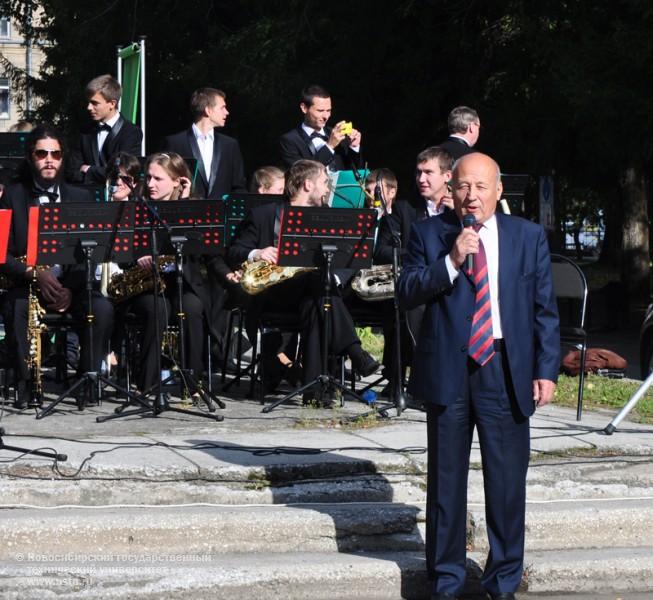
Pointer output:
x,y
481,342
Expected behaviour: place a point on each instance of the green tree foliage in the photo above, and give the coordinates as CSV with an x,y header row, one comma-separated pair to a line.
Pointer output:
x,y
560,84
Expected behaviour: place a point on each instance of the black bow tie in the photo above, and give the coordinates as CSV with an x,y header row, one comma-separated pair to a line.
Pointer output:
x,y
39,193
317,134
103,127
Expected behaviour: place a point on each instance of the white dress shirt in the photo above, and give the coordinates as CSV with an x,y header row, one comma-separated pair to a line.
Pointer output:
x,y
435,209
205,143
489,235
102,135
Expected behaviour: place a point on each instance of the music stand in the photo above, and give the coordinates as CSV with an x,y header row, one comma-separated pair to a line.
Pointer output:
x,y
348,189
190,227
325,238
237,205
71,233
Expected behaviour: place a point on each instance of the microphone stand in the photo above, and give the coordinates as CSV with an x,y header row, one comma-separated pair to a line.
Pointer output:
x,y
397,394
160,403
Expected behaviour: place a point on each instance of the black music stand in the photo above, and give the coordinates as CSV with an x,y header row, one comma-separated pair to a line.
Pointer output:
x,y
72,233
326,238
190,227
43,453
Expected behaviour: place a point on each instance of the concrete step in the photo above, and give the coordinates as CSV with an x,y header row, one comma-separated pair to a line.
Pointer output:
x,y
307,575
595,523
324,481
212,530
318,527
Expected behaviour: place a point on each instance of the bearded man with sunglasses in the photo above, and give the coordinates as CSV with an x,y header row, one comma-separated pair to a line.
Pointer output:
x,y
61,287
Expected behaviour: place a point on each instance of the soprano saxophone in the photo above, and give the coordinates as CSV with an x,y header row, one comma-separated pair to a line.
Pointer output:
x,y
35,327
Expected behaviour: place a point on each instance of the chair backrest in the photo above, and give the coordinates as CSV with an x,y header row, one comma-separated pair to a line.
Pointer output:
x,y
570,288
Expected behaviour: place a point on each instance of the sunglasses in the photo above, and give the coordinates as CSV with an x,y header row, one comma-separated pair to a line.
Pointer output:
x,y
41,154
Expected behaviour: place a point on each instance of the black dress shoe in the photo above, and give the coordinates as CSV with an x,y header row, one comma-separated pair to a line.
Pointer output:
x,y
443,596
363,362
503,596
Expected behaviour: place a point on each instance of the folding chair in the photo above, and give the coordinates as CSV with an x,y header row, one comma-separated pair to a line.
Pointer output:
x,y
570,288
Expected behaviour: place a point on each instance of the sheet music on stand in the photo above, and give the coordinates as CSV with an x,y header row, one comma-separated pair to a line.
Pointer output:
x,y
56,231
200,221
304,229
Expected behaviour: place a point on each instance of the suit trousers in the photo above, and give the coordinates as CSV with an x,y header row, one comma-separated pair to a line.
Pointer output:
x,y
488,404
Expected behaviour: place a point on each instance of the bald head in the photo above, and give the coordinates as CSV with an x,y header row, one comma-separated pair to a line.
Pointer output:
x,y
476,185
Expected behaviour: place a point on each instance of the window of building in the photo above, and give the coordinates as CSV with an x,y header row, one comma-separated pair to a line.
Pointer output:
x,y
5,28
4,98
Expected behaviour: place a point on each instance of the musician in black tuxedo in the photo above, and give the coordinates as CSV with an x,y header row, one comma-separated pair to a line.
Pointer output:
x,y
108,134
313,140
306,185
220,168
61,288
464,128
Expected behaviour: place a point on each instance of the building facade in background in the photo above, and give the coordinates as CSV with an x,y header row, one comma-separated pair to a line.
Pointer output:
x,y
27,58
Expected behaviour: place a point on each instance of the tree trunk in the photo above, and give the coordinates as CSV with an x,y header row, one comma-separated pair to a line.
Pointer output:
x,y
635,264
613,235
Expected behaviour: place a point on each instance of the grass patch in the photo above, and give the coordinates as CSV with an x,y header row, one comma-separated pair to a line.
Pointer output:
x,y
371,342
601,392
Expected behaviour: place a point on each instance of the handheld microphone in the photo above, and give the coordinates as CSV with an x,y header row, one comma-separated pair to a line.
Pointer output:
x,y
469,221
113,182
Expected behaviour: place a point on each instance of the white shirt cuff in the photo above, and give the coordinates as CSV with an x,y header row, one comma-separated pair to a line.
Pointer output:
x,y
453,272
253,255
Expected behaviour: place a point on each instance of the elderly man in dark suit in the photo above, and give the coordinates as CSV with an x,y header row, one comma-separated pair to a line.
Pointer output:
x,y
487,357
61,288
464,128
109,134
220,167
336,147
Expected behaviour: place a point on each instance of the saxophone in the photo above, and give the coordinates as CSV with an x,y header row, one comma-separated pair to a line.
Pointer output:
x,y
259,275
34,330
136,280
375,283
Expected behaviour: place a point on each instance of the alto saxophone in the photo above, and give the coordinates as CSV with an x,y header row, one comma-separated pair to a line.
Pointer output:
x,y
259,275
136,280
34,330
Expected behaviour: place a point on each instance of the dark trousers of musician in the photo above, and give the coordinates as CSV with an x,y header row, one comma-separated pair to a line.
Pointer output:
x,y
489,405
15,309
302,296
141,310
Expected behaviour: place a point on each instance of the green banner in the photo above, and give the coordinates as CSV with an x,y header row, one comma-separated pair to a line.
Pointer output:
x,y
131,73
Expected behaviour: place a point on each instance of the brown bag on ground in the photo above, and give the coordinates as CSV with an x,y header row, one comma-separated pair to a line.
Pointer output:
x,y
595,359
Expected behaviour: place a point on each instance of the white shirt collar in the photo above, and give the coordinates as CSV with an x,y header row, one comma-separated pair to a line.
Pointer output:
x,y
113,120
309,130
200,136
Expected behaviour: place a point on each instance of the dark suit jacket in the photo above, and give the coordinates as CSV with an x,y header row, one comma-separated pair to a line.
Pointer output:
x,y
18,197
296,144
123,137
529,317
404,214
227,170
456,147
256,230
